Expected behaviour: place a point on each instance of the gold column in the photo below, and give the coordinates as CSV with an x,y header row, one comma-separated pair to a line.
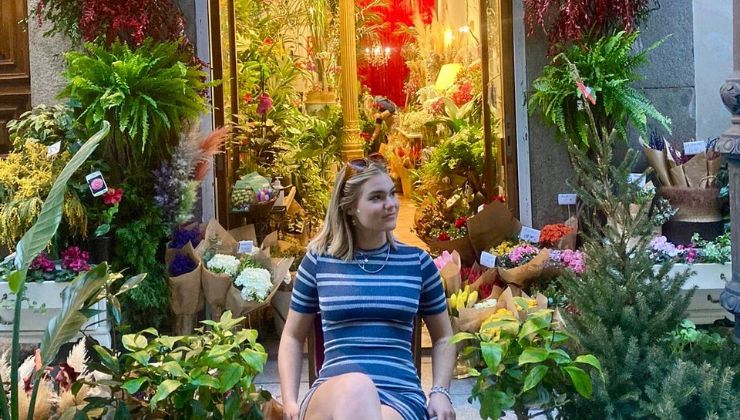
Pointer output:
x,y
351,141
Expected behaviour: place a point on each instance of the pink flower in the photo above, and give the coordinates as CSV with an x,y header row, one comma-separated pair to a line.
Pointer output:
x,y
113,196
42,262
264,105
443,260
97,184
520,252
75,259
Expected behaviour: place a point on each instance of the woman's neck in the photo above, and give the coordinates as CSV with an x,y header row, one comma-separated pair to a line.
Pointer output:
x,y
365,241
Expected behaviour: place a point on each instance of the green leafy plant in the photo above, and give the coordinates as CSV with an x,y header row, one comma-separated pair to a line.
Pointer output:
x,y
609,68
206,375
145,93
718,251
46,125
687,337
77,299
526,363
623,307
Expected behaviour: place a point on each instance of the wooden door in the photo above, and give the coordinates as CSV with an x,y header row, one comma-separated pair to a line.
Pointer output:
x,y
15,77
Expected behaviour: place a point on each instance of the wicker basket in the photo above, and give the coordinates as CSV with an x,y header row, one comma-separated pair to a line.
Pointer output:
x,y
697,205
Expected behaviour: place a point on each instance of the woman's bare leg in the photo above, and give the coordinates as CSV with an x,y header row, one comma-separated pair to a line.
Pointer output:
x,y
348,396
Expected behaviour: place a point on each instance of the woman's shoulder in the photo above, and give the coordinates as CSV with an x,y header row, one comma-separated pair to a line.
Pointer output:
x,y
405,249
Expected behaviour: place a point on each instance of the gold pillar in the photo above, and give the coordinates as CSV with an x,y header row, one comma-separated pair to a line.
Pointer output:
x,y
351,141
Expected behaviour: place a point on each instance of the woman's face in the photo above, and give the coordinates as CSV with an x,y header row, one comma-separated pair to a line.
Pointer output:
x,y
377,208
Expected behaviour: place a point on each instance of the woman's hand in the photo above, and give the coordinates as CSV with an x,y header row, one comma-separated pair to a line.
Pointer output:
x,y
291,411
440,407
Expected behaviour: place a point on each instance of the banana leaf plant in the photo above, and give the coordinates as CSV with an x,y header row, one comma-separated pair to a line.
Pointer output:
x,y
77,299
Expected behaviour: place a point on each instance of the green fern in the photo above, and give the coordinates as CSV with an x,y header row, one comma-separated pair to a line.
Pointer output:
x,y
609,68
145,93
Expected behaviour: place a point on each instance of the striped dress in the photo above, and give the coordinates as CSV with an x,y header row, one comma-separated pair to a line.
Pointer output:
x,y
367,319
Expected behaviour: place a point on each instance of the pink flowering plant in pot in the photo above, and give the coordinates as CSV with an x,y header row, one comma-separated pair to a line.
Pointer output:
x,y
72,261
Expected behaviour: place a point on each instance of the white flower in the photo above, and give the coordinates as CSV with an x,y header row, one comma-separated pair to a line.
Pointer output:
x,y
221,263
488,303
255,283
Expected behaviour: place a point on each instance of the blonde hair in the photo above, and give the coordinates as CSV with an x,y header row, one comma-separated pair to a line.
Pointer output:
x,y
336,237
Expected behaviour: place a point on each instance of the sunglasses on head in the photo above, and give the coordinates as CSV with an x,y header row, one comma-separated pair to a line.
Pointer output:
x,y
355,166
361,164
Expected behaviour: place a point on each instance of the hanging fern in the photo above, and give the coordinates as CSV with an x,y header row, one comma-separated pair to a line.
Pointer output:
x,y
609,68
145,93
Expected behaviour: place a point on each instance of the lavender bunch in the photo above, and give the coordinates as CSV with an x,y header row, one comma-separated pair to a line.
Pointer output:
x,y
175,191
182,236
181,264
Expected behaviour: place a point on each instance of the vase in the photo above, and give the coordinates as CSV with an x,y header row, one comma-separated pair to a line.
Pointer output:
x,y
101,248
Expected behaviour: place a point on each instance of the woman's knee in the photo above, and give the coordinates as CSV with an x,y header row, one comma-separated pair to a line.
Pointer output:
x,y
357,383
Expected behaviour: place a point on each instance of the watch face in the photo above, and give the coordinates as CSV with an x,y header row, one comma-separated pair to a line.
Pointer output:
x,y
97,183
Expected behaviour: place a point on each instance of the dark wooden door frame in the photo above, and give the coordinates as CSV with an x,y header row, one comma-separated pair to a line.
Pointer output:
x,y
15,75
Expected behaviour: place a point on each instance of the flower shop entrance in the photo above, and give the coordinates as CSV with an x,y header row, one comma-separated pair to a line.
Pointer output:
x,y
279,65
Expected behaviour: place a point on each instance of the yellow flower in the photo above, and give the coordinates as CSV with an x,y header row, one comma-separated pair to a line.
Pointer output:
x,y
532,303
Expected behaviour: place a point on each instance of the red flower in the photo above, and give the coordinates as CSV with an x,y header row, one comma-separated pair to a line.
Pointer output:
x,y
113,196
75,259
247,98
443,236
461,222
552,234
365,136
499,198
268,41
400,152
463,94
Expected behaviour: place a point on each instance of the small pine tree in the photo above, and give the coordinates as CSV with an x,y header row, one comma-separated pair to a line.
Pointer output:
x,y
623,306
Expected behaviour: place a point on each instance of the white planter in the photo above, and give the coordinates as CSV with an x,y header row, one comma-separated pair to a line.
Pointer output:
x,y
710,280
45,303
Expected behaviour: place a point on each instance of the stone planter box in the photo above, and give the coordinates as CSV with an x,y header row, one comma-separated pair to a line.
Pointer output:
x,y
45,303
710,279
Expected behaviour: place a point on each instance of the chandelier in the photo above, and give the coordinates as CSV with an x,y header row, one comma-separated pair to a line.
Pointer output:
x,y
378,56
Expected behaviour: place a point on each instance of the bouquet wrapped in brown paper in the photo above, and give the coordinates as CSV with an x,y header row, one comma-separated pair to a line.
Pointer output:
x,y
245,295
184,280
675,169
217,243
491,226
190,233
511,298
449,266
522,275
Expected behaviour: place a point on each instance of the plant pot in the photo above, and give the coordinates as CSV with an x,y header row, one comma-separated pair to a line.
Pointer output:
x,y
710,281
316,100
101,248
695,205
34,321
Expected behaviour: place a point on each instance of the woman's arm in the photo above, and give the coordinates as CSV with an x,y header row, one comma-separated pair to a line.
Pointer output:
x,y
290,359
443,362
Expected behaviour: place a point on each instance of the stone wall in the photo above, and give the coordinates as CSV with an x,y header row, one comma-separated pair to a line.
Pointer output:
x,y
669,83
47,62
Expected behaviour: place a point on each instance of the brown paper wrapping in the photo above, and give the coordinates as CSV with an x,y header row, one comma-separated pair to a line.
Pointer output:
x,y
278,268
657,160
272,410
521,276
694,204
713,167
226,244
696,170
450,273
461,245
487,277
491,226
186,298
678,176
569,241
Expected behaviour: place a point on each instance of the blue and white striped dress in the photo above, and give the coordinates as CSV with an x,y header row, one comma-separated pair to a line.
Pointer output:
x,y
367,319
